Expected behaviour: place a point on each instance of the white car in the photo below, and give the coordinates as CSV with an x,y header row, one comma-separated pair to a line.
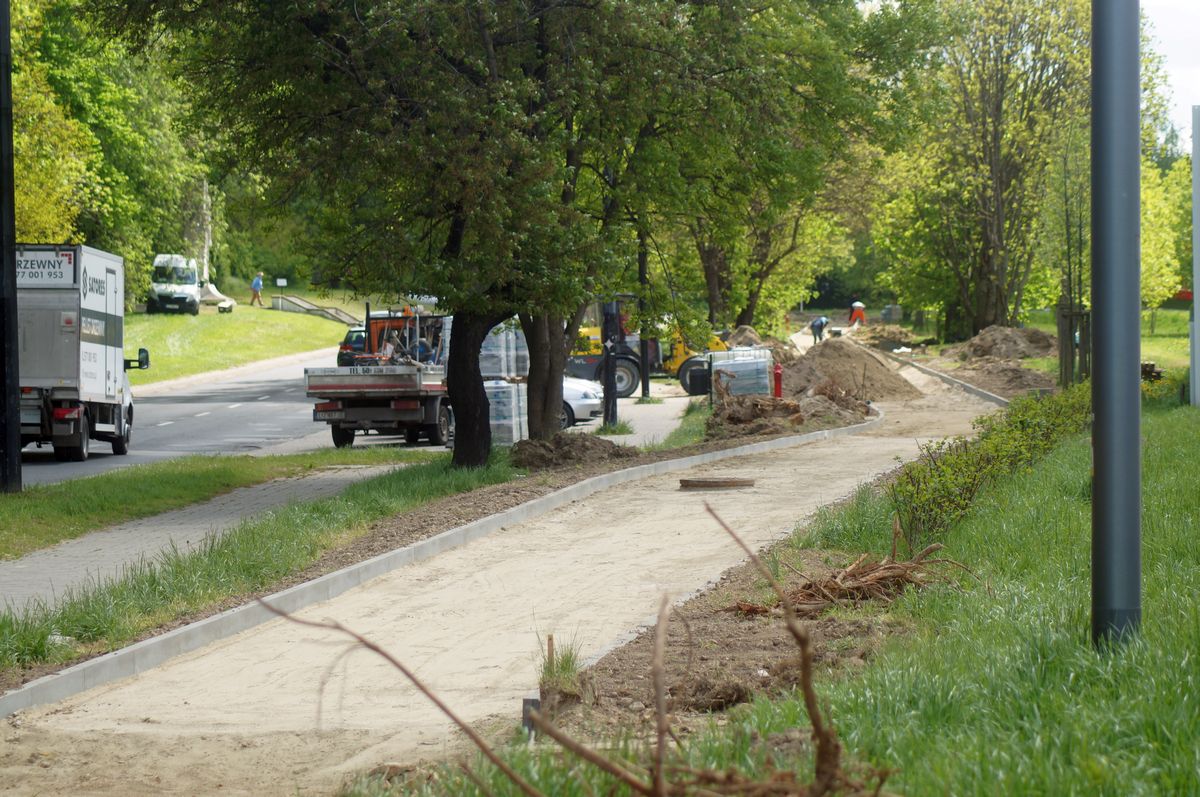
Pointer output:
x,y
583,400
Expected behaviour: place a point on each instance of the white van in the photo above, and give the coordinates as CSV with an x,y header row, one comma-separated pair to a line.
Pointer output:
x,y
175,286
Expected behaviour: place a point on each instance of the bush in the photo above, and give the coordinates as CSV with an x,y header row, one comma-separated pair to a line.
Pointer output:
x,y
1170,391
933,492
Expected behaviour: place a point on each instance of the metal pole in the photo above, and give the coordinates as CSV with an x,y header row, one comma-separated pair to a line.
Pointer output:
x,y
1116,310
1194,370
643,284
10,419
609,329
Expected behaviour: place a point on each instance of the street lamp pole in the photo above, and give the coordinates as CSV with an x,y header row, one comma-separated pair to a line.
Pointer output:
x,y
10,399
1116,310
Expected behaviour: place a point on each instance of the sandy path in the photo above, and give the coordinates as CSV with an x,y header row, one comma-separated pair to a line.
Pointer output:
x,y
248,715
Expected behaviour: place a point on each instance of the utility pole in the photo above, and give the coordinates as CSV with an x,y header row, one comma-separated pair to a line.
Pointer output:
x,y
10,417
1116,309
1194,371
610,326
644,286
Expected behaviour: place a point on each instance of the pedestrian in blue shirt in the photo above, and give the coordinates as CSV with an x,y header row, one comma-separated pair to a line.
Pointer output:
x,y
818,328
256,290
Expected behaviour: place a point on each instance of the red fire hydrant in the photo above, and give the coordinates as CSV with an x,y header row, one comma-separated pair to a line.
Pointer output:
x,y
778,380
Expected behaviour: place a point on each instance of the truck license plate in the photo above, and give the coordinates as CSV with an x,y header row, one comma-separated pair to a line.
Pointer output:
x,y
329,415
30,417
170,306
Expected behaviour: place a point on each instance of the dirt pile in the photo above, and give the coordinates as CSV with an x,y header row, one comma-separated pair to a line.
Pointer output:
x,y
567,449
1002,377
1005,343
782,351
850,367
889,337
744,336
759,415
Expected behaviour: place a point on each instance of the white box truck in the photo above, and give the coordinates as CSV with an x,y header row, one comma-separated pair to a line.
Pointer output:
x,y
70,339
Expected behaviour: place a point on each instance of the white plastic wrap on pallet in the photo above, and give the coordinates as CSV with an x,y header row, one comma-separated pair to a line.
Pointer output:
x,y
746,376
508,414
740,353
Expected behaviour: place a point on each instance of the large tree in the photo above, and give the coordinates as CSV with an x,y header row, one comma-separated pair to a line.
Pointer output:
x,y
461,150
1009,73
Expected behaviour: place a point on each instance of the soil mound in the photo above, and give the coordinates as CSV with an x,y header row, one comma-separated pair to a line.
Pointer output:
x,y
567,449
759,415
744,336
782,351
1003,377
1005,343
888,337
851,368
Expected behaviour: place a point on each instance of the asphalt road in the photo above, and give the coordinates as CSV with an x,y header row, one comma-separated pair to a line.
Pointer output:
x,y
239,411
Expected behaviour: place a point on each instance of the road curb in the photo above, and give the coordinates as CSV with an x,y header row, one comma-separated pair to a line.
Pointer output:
x,y
151,652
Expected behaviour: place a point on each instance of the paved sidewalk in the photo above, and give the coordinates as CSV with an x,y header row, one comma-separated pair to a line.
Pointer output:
x,y
102,555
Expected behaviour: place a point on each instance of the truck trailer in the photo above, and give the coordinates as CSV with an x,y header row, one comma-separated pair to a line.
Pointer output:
x,y
70,337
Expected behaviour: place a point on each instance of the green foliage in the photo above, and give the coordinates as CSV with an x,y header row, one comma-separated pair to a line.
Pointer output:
x,y
560,671
1003,682
1170,391
934,492
54,154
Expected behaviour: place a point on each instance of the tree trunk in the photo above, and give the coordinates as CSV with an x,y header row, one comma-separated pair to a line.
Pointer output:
x,y
716,275
547,361
464,384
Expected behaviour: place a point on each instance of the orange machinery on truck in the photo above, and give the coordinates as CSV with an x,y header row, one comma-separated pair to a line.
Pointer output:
x,y
397,385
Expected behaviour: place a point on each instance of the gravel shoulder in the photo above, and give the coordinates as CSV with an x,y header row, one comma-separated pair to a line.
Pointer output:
x,y
287,709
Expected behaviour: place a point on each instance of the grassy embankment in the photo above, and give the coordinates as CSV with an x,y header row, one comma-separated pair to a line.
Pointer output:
x,y
995,687
184,345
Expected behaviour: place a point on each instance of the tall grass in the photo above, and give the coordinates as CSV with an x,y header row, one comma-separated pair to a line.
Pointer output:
x,y
250,558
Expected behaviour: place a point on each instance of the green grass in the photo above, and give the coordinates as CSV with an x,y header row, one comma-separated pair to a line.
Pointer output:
x,y
1000,690
1167,345
561,671
250,558
183,345
239,289
612,429
44,515
690,429
649,400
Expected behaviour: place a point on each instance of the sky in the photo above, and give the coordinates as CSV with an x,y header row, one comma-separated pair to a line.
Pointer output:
x,y
1175,31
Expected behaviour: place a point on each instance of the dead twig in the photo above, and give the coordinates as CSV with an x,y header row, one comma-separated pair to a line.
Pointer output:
x,y
658,672
476,739
828,748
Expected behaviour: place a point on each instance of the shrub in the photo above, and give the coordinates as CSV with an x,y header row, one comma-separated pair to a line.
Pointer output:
x,y
933,492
